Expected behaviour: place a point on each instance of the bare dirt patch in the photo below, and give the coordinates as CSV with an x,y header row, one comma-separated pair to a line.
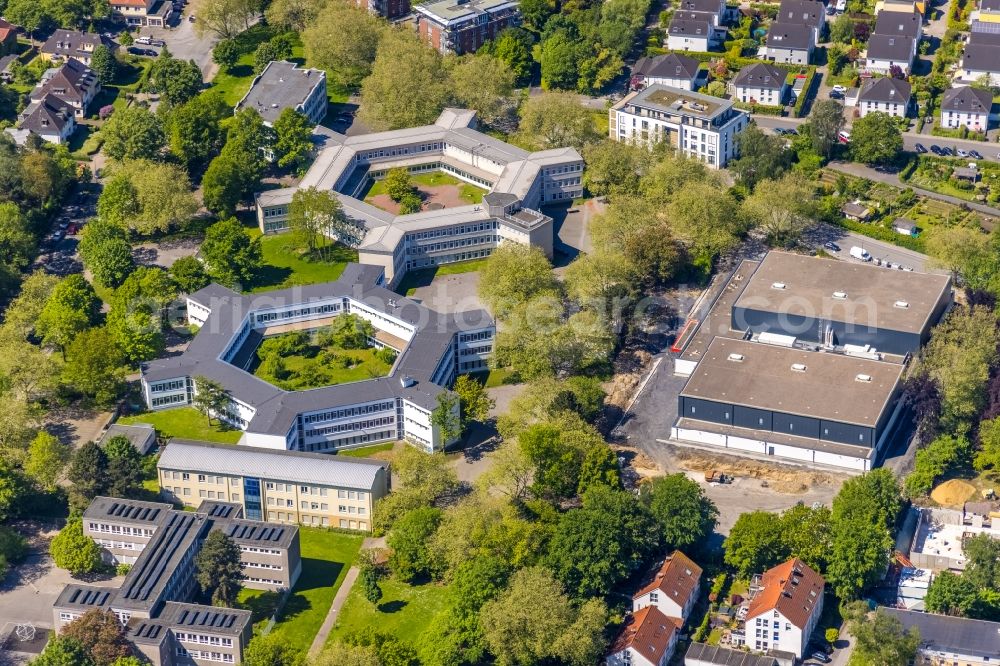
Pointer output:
x,y
779,478
445,196
953,493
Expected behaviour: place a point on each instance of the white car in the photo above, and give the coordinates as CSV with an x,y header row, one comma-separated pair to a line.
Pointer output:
x,y
839,88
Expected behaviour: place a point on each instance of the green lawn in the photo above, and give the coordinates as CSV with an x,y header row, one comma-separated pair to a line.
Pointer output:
x,y
315,367
366,451
405,611
286,263
424,276
186,423
326,557
496,377
468,192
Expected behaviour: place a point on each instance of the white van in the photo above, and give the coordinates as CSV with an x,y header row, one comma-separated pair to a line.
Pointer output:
x,y
860,253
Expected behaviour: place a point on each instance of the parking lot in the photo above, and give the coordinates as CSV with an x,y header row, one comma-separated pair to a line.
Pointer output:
x,y
58,253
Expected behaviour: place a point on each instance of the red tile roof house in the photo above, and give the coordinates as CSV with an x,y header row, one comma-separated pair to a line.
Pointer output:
x,y
784,608
673,588
8,38
647,639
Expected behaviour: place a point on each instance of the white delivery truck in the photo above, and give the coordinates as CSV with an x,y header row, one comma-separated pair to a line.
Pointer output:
x,y
860,253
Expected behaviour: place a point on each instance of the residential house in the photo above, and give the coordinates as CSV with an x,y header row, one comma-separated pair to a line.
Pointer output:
x,y
8,37
950,640
284,85
900,24
785,606
988,11
153,13
647,639
717,7
716,31
981,58
141,435
5,67
790,43
703,654
388,9
65,44
886,94
904,227
672,69
852,210
690,35
885,52
673,588
806,12
966,106
73,82
904,6
463,27
49,118
761,83
695,125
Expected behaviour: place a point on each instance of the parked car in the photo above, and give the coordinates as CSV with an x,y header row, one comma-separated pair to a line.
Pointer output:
x,y
836,95
947,152
962,153
780,131
820,657
791,131
142,39
831,246
135,50
975,154
920,148
844,137
936,149
839,88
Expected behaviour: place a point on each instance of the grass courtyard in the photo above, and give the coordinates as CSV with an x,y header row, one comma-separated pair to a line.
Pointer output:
x,y
326,557
286,263
405,611
433,187
185,423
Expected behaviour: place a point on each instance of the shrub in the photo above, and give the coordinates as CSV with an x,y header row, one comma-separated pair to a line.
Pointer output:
x,y
123,569
105,111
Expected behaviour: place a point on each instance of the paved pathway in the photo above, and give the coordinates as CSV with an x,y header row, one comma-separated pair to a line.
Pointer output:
x,y
331,617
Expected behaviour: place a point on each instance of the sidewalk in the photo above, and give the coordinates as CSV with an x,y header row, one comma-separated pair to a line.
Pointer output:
x,y
331,617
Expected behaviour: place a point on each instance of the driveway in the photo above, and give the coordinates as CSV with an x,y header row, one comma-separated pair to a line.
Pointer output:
x,y
824,233
184,43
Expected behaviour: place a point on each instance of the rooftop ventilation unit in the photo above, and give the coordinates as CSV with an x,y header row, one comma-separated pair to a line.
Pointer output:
x,y
902,305
864,379
798,367
407,381
738,358
778,285
840,295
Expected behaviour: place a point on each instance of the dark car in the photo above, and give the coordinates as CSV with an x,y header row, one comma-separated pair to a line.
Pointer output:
x,y
135,50
820,656
791,131
920,148
780,131
831,246
975,154
947,151
936,150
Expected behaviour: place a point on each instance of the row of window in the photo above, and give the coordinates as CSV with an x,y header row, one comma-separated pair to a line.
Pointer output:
x,y
453,231
566,168
478,335
120,545
263,581
320,521
354,425
331,444
449,245
263,565
258,549
169,400
172,385
186,492
447,259
472,351
120,529
288,314
203,478
334,414
206,655
203,639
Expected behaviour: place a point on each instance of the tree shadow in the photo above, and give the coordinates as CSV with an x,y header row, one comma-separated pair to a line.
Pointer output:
x,y
392,606
240,71
270,276
261,606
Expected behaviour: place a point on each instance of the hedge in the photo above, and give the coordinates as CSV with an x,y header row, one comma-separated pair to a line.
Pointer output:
x,y
761,109
734,62
800,103
884,234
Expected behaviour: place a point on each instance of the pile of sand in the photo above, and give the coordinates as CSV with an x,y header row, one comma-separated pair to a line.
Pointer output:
x,y
953,493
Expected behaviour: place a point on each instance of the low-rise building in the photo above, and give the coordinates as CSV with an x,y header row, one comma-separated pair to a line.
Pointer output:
x,y
806,12
947,640
855,211
790,43
284,85
464,27
153,13
904,227
672,69
785,606
141,435
966,106
673,588
64,44
887,95
695,125
72,82
888,52
690,34
185,634
49,118
648,639
940,535
761,83
286,487
8,37
703,654
981,56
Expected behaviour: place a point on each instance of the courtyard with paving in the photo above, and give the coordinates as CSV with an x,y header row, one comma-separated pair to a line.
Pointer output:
x,y
436,189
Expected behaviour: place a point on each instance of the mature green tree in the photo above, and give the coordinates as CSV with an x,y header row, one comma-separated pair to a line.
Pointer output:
x,y
615,167
17,245
194,132
337,653
276,48
222,184
177,81
296,15
513,275
271,650
760,156
157,196
553,120
133,133
534,620
842,29
951,594
293,139
371,572
447,417
987,458
22,313
12,488
72,307
314,217
210,397
103,62
394,96
74,551
933,461
557,464
105,252
226,53
537,12
882,641
484,83
118,202
596,547
218,569
808,534
63,651
101,634
422,480
871,497
231,256
782,208
685,514
858,556
88,470
124,468
825,122
474,402
755,543
189,275
47,457
559,57
513,47
876,139
344,41
227,18
983,561
408,539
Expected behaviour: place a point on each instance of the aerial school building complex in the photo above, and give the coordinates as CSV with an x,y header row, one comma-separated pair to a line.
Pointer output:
x,y
803,358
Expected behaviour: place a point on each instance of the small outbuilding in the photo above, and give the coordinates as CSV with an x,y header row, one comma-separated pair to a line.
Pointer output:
x,y
853,210
905,227
141,435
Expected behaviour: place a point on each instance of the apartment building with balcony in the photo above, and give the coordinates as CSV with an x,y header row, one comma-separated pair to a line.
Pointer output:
x,y
463,26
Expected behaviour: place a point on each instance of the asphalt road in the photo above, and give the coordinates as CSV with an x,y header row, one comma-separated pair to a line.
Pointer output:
x,y
878,249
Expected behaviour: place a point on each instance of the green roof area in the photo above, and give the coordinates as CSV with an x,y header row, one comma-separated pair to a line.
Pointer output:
x,y
694,103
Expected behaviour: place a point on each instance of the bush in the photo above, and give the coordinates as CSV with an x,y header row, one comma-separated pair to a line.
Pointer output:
x,y
800,104
387,355
703,630
123,569
105,111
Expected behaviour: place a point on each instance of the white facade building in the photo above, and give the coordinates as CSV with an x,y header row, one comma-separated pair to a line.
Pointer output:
x,y
966,106
887,95
761,83
696,125
648,639
690,35
673,69
673,588
785,607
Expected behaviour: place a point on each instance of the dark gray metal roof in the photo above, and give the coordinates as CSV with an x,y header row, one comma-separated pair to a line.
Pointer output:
x,y
204,619
127,511
251,532
761,75
898,23
890,47
797,36
690,28
942,633
808,12
669,66
967,99
217,509
885,89
85,597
